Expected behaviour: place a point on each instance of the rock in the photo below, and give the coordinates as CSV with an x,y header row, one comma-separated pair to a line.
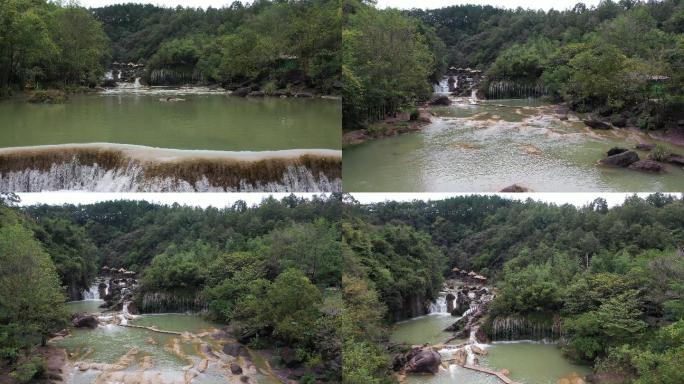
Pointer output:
x,y
595,124
619,122
282,93
515,188
505,372
616,151
481,336
81,320
244,379
424,360
303,94
675,159
109,83
132,308
440,100
478,351
644,147
289,357
624,159
235,369
460,357
234,350
241,92
647,166
256,94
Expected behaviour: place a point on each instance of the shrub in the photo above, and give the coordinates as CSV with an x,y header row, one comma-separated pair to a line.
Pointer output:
x,y
657,153
270,88
414,115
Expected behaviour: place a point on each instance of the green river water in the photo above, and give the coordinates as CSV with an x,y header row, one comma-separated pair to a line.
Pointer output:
x,y
489,146
528,362
108,343
212,121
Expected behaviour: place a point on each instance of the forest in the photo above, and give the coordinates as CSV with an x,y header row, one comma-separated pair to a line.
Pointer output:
x,y
612,275
619,60
272,271
270,44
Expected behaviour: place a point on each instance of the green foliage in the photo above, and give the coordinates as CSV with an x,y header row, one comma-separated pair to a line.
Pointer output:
x,y
657,153
31,302
45,44
387,60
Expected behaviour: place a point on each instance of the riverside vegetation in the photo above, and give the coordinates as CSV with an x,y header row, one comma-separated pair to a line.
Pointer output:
x,y
622,61
267,45
604,283
269,273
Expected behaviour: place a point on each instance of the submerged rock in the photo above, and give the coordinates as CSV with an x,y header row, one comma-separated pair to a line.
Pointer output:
x,y
423,360
644,147
623,159
241,92
675,159
647,166
595,124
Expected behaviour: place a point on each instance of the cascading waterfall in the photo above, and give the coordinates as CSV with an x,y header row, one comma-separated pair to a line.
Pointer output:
x,y
439,306
519,327
442,86
130,175
515,90
93,293
165,302
168,76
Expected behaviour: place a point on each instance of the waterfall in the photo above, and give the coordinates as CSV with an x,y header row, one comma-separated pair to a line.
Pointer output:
x,y
132,176
515,90
109,75
166,302
93,292
439,306
442,86
519,327
136,83
473,96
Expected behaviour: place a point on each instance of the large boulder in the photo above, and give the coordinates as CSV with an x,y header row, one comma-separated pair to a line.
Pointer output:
x,y
595,124
440,100
460,357
423,360
616,151
647,166
624,159
515,188
235,369
83,320
235,350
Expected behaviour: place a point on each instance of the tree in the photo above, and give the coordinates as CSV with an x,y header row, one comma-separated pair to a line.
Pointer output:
x,y
31,302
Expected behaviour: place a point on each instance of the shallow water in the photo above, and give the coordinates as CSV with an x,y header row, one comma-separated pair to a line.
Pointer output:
x,y
487,147
424,329
532,363
87,306
203,121
107,344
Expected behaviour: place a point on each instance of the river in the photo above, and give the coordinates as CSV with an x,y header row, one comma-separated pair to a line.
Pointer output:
x,y
189,354
209,120
135,139
529,362
493,144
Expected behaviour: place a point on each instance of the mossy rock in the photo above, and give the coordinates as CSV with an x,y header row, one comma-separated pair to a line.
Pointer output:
x,y
48,97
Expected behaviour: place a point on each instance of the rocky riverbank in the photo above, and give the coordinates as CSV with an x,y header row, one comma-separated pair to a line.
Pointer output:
x,y
391,126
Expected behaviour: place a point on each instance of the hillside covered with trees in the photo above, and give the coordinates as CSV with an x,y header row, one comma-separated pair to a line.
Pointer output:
x,y
612,275
266,44
272,271
620,60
